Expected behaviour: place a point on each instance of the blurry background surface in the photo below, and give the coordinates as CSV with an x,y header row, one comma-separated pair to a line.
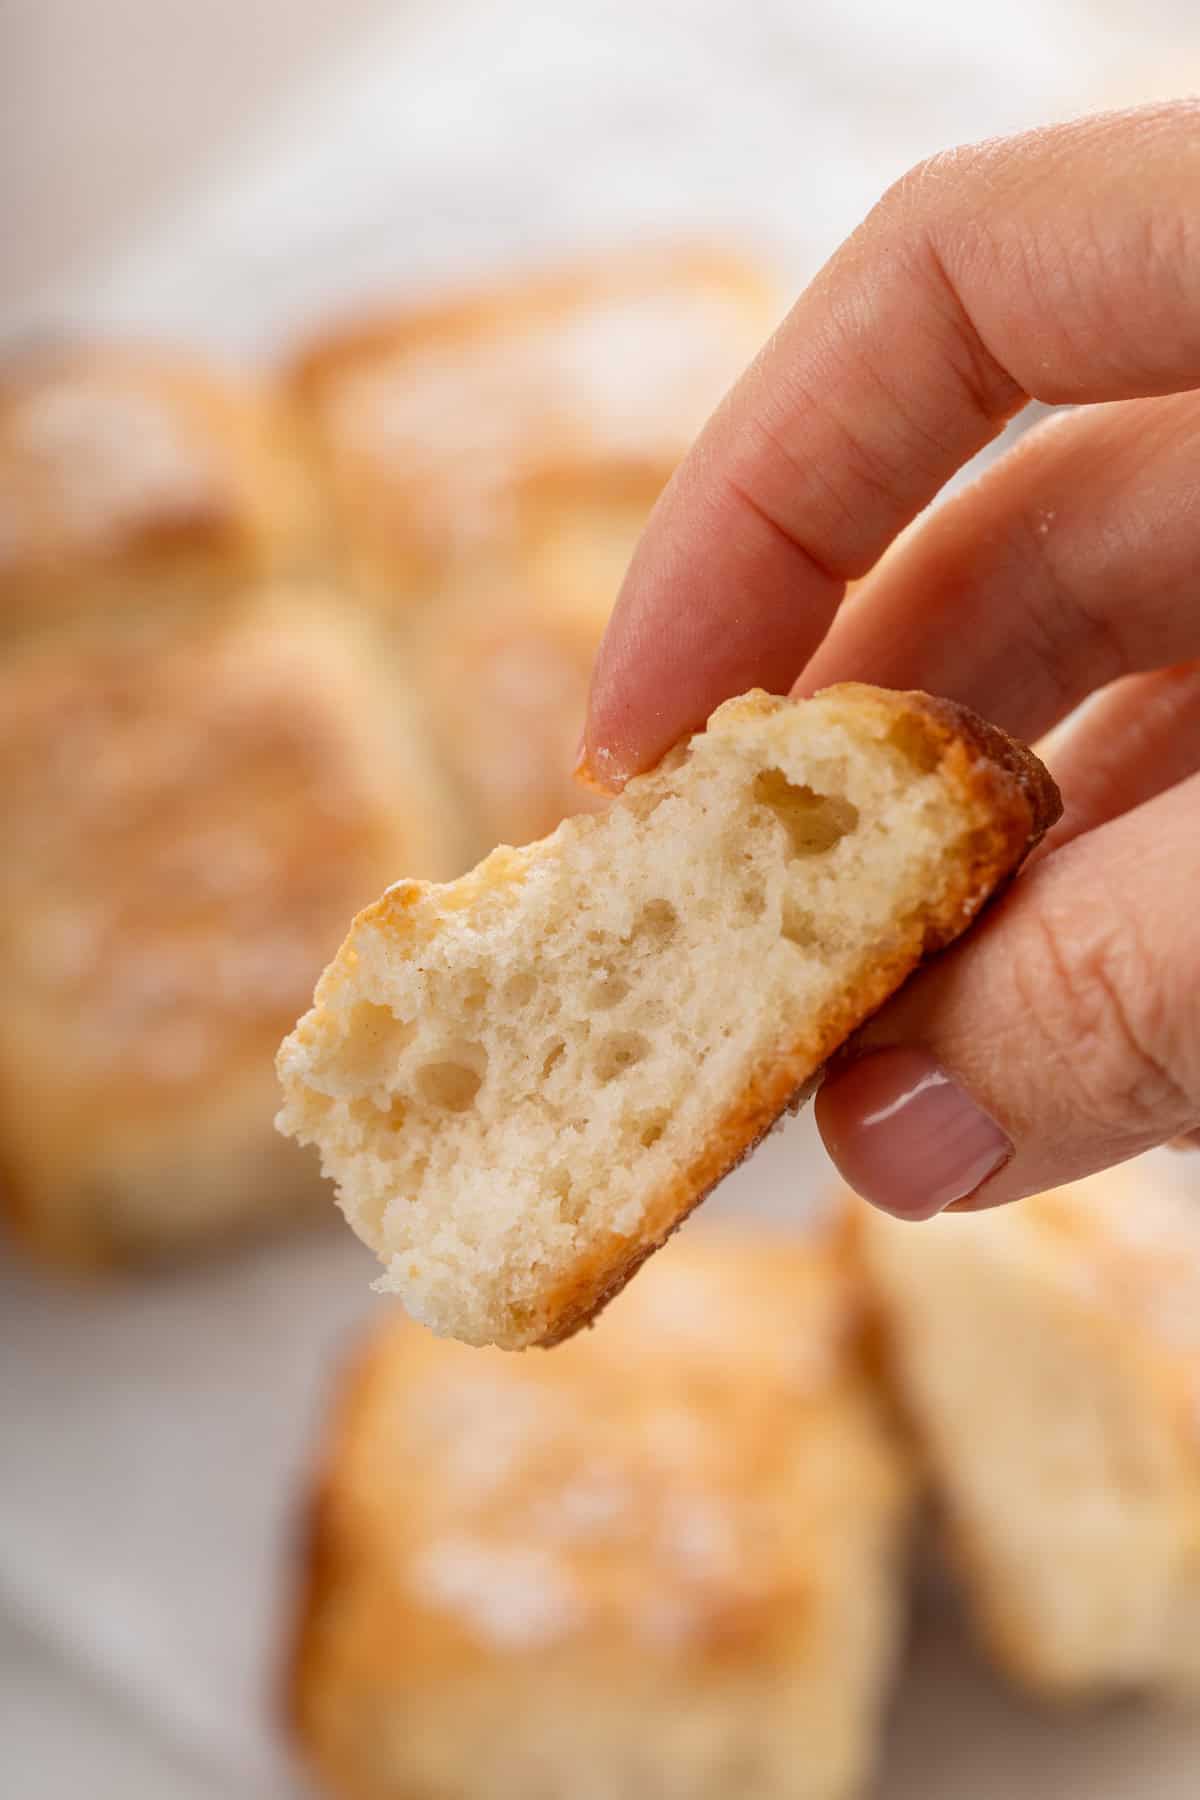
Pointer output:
x,y
225,169
223,174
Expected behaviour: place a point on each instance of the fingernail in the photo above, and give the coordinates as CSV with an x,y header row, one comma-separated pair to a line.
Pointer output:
x,y
588,776
906,1136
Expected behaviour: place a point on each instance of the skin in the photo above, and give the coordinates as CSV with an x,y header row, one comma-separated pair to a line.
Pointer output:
x,y
1062,266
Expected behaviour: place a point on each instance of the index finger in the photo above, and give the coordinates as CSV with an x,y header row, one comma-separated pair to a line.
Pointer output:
x,y
1063,265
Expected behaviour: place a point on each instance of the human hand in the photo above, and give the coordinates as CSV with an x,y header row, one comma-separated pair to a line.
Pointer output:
x,y
1062,266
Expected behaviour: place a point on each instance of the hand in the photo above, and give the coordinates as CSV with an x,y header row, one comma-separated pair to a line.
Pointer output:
x,y
1064,265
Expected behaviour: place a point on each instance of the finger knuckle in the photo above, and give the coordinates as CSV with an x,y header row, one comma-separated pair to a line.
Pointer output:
x,y
1099,1010
1075,637
839,487
927,185
930,209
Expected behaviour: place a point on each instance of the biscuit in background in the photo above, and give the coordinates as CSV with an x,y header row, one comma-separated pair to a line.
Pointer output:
x,y
426,421
1048,1354
136,484
504,660
668,1558
186,828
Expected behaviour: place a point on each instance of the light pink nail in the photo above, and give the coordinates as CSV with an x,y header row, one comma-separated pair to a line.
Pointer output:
x,y
905,1135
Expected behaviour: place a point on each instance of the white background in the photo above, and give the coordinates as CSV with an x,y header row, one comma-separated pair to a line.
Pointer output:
x,y
225,171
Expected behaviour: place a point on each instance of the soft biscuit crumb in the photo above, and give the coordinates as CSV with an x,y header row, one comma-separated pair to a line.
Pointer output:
x,y
522,1082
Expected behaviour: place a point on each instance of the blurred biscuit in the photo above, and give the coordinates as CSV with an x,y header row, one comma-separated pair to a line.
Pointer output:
x,y
1049,1356
426,421
665,1559
135,483
504,660
186,828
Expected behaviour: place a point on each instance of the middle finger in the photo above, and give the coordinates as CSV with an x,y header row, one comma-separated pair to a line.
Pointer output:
x,y
1071,562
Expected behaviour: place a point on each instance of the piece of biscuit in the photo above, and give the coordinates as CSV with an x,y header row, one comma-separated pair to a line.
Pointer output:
x,y
185,825
523,1082
667,1560
136,483
1048,1354
426,421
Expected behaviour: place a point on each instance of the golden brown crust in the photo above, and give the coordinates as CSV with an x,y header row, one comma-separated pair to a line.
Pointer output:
x,y
993,757
1020,802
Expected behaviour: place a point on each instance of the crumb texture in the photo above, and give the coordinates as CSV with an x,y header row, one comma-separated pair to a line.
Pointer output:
x,y
522,1082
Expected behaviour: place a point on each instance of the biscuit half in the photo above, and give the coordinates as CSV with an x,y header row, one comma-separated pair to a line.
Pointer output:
x,y
523,1082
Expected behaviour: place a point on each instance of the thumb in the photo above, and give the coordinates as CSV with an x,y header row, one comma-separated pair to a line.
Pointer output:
x,y
1061,1037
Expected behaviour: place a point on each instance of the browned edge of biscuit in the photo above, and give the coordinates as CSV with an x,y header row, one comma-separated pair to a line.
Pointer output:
x,y
996,761
77,1256
316,1551
17,1214
990,768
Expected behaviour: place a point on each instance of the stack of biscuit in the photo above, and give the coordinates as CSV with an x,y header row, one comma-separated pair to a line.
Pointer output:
x,y
271,644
